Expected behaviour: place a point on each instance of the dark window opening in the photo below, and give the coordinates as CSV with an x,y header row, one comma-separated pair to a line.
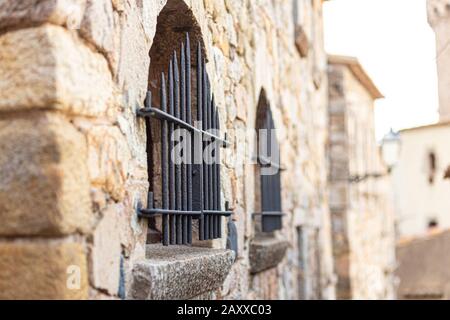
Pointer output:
x,y
268,170
184,201
431,167
433,224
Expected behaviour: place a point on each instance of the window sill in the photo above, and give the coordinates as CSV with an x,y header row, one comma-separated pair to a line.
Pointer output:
x,y
266,253
179,272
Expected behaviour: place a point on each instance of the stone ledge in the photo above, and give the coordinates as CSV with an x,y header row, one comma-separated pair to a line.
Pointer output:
x,y
179,272
266,253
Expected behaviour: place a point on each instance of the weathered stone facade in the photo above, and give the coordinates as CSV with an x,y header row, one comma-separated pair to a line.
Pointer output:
x,y
73,162
360,196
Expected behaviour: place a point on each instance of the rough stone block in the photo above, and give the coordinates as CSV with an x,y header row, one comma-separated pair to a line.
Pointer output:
x,y
44,185
43,270
266,253
98,27
106,253
48,67
108,159
180,272
28,13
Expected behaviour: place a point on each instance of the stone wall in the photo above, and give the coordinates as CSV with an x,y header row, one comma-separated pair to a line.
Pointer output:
x,y
360,203
73,165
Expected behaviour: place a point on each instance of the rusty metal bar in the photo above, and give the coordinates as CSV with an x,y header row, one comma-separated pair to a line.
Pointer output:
x,y
206,189
219,203
178,187
157,113
184,230
164,161
201,226
189,121
155,212
171,164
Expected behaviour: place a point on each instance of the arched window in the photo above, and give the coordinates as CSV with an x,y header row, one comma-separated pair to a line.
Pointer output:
x,y
268,169
182,124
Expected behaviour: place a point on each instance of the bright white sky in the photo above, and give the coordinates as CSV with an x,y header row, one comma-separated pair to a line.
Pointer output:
x,y
395,45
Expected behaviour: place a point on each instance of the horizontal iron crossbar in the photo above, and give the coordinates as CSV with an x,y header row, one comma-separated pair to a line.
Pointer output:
x,y
154,212
159,114
269,214
267,162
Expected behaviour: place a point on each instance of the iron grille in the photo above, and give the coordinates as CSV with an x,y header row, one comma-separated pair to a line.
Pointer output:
x,y
270,183
190,190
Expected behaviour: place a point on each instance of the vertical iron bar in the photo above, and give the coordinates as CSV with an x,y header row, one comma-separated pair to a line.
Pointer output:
x,y
219,204
183,165
277,178
205,166
214,168
164,158
201,223
171,164
176,77
189,120
269,154
210,172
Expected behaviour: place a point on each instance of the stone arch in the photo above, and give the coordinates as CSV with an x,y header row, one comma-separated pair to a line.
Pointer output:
x,y
174,21
261,108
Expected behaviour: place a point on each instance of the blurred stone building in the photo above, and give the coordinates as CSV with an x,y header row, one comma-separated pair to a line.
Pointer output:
x,y
419,158
79,152
361,204
421,178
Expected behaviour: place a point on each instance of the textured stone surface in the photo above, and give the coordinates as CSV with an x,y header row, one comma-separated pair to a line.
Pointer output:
x,y
98,27
429,275
249,47
44,186
266,253
179,272
43,270
360,191
14,14
106,253
48,67
108,159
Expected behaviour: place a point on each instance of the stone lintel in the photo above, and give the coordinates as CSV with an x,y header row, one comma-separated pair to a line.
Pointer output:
x,y
266,253
179,272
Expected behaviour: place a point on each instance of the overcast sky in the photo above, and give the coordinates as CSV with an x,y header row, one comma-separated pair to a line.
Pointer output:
x,y
396,46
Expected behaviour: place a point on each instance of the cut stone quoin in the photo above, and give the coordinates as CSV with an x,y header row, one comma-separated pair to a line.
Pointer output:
x,y
44,186
42,270
48,67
